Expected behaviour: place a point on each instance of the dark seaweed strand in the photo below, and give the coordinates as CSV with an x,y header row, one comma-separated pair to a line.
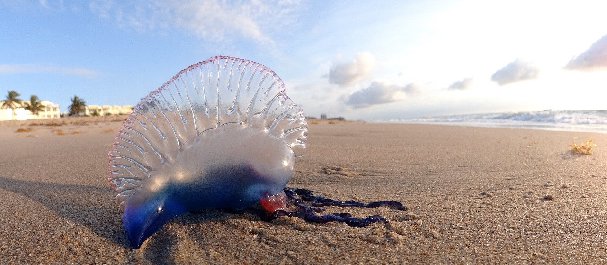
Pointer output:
x,y
308,205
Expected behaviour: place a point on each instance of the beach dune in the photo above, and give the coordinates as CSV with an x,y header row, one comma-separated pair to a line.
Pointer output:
x,y
474,195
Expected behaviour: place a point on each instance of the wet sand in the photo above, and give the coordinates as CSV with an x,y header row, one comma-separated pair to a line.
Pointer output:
x,y
475,195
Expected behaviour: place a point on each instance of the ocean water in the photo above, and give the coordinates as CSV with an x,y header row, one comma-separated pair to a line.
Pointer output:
x,y
560,120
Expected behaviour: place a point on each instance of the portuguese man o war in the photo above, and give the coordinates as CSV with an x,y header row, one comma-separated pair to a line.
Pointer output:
x,y
220,134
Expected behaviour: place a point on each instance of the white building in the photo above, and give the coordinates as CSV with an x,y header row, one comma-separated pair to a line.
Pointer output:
x,y
92,110
51,111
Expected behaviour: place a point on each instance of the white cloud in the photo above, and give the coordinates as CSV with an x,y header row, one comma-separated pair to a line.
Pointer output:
x,y
514,72
412,89
381,93
210,20
461,84
347,74
593,58
32,68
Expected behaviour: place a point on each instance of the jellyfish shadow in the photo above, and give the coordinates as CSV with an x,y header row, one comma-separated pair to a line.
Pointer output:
x,y
166,240
92,207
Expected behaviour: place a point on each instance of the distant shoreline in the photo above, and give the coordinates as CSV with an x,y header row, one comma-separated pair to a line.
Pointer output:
x,y
551,120
501,126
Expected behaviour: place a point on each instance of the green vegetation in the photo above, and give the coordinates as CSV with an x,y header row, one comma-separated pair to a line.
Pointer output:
x,y
34,105
77,107
12,101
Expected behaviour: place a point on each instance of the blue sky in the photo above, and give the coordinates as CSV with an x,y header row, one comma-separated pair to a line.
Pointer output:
x,y
359,59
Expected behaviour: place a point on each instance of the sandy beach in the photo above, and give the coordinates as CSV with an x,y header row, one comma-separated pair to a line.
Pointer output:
x,y
474,195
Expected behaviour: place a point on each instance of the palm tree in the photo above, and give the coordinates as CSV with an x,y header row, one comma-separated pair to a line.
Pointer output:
x,y
78,105
34,105
12,101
